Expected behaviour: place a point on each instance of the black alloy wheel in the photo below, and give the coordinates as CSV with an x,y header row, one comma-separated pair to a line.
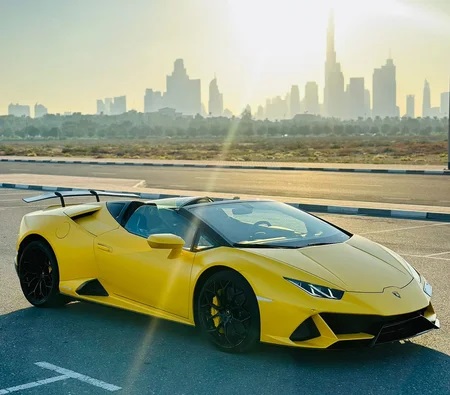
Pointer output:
x,y
39,276
228,312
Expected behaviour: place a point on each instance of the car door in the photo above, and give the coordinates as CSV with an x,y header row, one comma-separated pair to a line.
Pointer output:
x,y
131,269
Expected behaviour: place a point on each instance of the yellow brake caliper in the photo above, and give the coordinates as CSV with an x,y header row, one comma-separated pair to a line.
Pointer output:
x,y
214,311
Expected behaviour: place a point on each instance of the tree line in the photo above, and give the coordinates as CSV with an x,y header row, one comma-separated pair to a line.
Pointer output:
x,y
134,125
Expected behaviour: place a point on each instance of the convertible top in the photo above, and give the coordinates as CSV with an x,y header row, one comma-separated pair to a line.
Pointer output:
x,y
62,194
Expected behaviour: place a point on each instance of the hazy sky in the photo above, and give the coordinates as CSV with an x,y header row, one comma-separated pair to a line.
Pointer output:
x,y
67,53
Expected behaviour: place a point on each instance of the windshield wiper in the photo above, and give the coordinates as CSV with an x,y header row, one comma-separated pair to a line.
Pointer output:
x,y
260,245
315,244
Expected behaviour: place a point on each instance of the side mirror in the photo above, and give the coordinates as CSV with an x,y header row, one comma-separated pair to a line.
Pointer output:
x,y
166,241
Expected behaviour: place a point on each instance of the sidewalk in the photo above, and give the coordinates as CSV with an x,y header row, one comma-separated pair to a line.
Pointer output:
x,y
53,183
296,166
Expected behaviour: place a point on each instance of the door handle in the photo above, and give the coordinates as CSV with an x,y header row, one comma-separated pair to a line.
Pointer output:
x,y
104,247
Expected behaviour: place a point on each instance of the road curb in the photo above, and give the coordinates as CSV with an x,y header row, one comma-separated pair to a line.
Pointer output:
x,y
242,167
316,208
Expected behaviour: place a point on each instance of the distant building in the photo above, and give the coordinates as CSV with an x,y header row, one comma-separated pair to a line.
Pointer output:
x,y
227,113
294,101
311,100
276,108
108,105
367,106
112,106
183,94
384,91
334,78
40,110
215,103
435,112
355,98
444,104
101,109
260,113
153,100
19,110
410,106
426,102
119,105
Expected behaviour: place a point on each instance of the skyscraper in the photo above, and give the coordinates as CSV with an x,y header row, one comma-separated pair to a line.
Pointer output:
x,y
40,110
294,101
119,105
334,79
384,91
183,94
153,100
215,104
410,106
355,98
101,109
19,110
426,103
444,104
367,107
311,100
108,105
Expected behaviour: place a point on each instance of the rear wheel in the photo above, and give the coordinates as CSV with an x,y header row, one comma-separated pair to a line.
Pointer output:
x,y
39,276
228,312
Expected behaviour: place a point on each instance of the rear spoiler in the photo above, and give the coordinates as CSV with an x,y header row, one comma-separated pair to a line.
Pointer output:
x,y
63,194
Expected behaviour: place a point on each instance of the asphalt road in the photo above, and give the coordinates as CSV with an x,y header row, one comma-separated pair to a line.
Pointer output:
x,y
387,188
148,356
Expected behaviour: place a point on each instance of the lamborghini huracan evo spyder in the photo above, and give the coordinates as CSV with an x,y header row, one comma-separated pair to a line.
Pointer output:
x,y
242,271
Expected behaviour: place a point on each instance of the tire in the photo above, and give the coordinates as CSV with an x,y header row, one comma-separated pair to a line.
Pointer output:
x,y
39,276
228,313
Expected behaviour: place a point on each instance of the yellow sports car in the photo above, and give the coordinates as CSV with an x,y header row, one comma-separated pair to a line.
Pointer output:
x,y
243,271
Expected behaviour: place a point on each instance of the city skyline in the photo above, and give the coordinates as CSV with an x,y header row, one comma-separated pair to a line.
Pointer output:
x,y
242,52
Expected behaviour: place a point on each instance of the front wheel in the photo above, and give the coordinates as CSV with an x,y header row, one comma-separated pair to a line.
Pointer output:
x,y
39,276
228,312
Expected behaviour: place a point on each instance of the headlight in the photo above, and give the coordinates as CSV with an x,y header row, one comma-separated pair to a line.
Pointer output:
x,y
428,289
318,291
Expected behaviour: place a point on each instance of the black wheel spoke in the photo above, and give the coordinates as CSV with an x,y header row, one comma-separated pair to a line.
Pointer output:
x,y
37,270
224,309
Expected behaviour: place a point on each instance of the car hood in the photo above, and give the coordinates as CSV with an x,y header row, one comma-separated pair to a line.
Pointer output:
x,y
357,265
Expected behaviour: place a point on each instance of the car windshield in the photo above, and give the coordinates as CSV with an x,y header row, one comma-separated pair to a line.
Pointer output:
x,y
267,225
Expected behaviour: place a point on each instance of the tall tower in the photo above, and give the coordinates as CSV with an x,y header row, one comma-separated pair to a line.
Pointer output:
x,y
426,104
334,79
294,101
183,94
384,91
355,99
311,100
410,110
445,97
215,104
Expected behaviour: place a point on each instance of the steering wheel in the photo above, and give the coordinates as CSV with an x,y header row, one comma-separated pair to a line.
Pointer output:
x,y
262,223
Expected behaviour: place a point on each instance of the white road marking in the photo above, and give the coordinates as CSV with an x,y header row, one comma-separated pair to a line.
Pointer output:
x,y
102,173
64,375
439,253
210,177
140,184
425,256
33,384
361,185
79,376
406,228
